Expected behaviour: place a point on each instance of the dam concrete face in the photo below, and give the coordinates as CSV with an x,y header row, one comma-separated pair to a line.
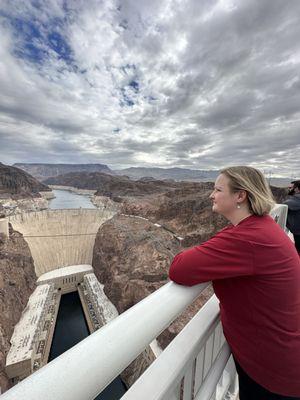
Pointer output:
x,y
59,238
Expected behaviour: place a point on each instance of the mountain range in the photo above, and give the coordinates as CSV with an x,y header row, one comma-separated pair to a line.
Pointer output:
x,y
43,171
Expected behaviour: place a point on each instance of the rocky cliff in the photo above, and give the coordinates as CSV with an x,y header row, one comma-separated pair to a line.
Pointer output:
x,y
131,256
17,184
21,192
43,171
17,282
185,210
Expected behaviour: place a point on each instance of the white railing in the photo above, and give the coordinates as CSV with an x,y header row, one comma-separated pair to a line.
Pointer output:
x,y
195,365
279,214
86,369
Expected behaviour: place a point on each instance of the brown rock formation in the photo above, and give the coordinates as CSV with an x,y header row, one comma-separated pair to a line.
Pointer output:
x,y
16,183
185,210
17,282
131,256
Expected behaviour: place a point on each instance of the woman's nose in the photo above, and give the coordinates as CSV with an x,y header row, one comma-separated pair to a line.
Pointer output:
x,y
211,195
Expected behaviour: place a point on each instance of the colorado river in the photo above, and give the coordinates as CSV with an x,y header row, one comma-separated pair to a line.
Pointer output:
x,y
65,199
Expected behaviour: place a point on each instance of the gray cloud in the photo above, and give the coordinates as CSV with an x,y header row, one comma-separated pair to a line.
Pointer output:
x,y
181,83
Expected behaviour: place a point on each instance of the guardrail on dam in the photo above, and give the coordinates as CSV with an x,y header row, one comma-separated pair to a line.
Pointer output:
x,y
58,238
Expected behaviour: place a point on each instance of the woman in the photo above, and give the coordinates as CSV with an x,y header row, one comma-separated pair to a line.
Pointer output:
x,y
255,271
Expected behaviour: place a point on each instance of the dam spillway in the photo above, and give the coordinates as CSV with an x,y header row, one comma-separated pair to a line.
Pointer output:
x,y
59,238
49,311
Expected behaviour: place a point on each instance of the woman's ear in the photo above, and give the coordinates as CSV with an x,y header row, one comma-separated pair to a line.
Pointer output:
x,y
242,195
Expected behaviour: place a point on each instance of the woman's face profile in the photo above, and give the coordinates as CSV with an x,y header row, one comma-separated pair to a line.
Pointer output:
x,y
224,201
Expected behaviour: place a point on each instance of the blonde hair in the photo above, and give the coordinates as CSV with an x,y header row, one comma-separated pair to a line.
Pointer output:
x,y
251,180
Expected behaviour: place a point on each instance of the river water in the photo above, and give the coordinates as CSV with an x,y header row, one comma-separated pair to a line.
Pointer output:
x,y
71,326
65,199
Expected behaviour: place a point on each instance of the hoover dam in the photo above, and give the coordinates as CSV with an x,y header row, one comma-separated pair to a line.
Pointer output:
x,y
59,238
61,243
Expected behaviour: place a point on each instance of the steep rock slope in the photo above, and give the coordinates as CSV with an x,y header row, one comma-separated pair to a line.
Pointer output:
x,y
131,256
16,183
17,282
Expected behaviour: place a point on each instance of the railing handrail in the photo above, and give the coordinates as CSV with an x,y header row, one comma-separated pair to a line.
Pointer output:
x,y
75,375
279,214
176,358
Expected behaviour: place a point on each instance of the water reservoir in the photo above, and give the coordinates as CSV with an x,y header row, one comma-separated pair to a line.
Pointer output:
x,y
65,199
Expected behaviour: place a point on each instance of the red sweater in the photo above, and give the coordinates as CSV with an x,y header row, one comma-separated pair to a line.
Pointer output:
x,y
255,271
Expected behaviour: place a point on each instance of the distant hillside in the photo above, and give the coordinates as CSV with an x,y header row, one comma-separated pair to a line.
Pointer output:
x,y
182,174
44,171
83,180
109,185
178,174
15,182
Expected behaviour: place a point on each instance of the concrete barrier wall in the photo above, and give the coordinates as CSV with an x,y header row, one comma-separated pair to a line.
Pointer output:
x,y
59,238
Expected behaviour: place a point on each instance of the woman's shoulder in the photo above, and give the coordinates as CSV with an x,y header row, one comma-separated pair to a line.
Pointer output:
x,y
256,221
260,229
259,218
253,228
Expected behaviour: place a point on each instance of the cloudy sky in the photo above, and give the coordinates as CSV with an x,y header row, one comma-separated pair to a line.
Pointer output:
x,y
196,84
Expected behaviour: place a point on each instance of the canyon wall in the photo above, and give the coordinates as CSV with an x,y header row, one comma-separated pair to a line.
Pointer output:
x,y
17,282
18,183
